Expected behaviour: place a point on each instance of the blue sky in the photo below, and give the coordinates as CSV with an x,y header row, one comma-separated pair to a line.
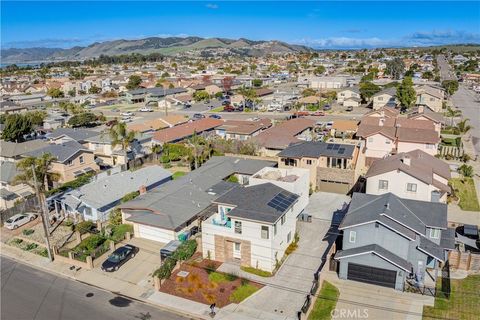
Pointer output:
x,y
321,24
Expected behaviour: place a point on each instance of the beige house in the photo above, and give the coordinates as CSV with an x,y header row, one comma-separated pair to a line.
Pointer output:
x,y
385,98
430,97
346,94
213,89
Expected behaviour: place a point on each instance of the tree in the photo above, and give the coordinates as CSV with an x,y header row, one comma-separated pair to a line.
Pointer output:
x,y
466,171
201,95
134,82
395,68
72,92
368,77
55,93
451,113
121,136
227,83
428,75
450,86
36,117
94,90
368,89
406,93
463,127
308,92
160,67
16,126
319,70
257,82
84,119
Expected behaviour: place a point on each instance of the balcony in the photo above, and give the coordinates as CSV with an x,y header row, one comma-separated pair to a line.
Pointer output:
x,y
222,223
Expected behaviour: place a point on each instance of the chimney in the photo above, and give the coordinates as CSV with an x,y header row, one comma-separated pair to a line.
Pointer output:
x,y
406,160
421,109
142,189
381,121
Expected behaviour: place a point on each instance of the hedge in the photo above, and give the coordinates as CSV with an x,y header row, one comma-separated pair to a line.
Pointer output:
x,y
118,232
165,271
84,227
185,250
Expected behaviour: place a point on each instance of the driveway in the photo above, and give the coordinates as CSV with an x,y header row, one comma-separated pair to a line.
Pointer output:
x,y
284,294
138,270
375,302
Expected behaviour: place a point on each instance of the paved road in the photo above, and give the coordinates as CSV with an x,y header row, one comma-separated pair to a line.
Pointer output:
x,y
446,72
467,101
29,293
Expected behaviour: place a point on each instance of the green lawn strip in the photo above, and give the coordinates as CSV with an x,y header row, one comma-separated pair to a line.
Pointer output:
x,y
467,193
217,277
464,301
178,174
257,272
218,109
325,303
242,292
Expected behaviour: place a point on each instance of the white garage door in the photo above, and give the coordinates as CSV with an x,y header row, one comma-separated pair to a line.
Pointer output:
x,y
156,234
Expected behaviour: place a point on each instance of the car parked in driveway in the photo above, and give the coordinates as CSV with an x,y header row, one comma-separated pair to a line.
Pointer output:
x,y
197,116
19,220
327,107
119,257
145,109
318,113
127,114
228,108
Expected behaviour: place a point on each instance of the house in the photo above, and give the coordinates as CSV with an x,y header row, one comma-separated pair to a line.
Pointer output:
x,y
149,126
242,130
12,151
348,93
332,166
344,128
280,136
10,190
385,98
171,210
353,102
388,240
183,131
315,82
413,175
95,200
255,224
151,94
71,160
431,97
420,113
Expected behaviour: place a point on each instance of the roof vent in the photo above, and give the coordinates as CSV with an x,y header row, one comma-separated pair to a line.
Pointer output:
x,y
387,206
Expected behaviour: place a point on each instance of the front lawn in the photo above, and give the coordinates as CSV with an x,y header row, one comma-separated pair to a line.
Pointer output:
x,y
258,272
325,303
218,109
243,292
464,302
178,174
465,190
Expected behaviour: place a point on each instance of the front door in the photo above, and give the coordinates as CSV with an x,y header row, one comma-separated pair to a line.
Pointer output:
x,y
237,253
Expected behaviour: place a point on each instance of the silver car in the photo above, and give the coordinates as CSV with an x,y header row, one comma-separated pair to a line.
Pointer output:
x,y
19,220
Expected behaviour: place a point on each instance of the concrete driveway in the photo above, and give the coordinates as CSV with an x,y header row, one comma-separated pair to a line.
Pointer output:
x,y
375,302
138,270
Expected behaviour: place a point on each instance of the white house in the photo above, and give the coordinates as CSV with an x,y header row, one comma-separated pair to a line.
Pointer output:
x,y
346,94
255,224
415,175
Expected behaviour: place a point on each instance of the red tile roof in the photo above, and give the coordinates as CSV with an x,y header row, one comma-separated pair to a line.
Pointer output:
x,y
186,130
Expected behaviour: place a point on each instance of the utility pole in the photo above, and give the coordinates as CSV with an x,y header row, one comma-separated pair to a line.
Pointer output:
x,y
42,210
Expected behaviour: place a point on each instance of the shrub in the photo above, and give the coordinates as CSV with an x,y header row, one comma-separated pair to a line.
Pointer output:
x,y
91,243
258,272
28,232
84,227
165,271
118,232
130,196
291,247
115,217
31,246
244,281
210,267
231,276
17,241
43,252
185,250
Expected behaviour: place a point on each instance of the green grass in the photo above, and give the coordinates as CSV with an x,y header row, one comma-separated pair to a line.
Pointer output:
x,y
242,292
218,109
464,302
257,272
465,190
217,277
325,303
178,174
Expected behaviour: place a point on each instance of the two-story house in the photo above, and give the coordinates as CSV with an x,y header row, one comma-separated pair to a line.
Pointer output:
x,y
255,224
431,97
414,175
388,240
347,93
242,130
385,98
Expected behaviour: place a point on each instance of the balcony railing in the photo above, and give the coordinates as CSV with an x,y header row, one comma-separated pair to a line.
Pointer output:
x,y
222,223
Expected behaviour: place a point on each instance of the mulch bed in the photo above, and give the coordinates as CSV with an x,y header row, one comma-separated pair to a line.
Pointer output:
x,y
197,287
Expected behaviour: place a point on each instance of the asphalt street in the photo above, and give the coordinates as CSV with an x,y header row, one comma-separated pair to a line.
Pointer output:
x,y
469,102
28,294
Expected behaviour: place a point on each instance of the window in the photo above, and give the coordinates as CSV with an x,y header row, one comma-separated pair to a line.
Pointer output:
x,y
87,211
380,98
81,159
264,232
370,139
289,237
275,229
283,220
434,233
352,237
309,161
69,163
238,227
411,187
387,141
432,99
429,146
237,246
382,185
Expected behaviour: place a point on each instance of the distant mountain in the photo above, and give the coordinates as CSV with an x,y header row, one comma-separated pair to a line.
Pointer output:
x,y
166,46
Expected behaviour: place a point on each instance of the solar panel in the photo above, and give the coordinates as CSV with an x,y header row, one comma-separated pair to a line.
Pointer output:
x,y
341,151
282,201
329,147
336,147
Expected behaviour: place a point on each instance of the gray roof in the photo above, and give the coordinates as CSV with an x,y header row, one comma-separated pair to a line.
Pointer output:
x,y
253,202
315,149
158,92
412,214
13,149
62,151
73,133
102,192
175,203
390,91
8,171
379,251
7,195
432,249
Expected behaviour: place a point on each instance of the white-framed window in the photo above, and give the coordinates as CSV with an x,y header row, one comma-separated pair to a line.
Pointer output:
x,y
289,236
352,237
387,142
434,233
429,146
238,227
411,187
382,184
370,139
264,232
282,220
87,211
237,246
81,159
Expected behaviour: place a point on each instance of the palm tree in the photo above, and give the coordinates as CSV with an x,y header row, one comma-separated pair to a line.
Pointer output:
x,y
463,127
452,114
121,136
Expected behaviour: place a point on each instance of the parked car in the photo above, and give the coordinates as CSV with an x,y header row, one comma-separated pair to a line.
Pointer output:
x,y
225,103
215,116
145,109
198,116
126,119
127,114
302,113
19,220
228,108
206,101
327,107
349,108
318,113
119,257
115,110
187,105
111,122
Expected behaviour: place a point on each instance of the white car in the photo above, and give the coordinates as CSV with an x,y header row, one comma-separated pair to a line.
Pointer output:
x,y
126,119
127,114
19,220
145,110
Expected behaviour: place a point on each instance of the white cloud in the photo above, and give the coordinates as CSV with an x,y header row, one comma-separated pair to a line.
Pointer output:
x,y
344,42
211,6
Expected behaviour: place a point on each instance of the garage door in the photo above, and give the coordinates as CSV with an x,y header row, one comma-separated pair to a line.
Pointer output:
x,y
335,187
372,275
156,234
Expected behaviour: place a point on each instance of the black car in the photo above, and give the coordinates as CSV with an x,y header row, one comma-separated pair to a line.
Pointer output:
x,y
119,257
198,116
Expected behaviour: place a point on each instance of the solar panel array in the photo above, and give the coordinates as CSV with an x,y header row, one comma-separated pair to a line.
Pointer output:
x,y
337,147
282,201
